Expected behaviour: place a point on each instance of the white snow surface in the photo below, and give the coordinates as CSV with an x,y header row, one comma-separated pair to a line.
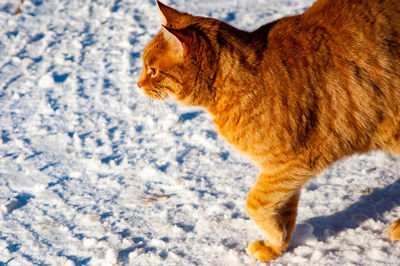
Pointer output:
x,y
92,172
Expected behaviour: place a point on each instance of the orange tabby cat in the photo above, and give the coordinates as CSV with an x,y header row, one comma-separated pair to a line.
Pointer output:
x,y
295,95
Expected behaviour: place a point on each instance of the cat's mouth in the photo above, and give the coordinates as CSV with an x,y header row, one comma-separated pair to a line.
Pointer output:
x,y
163,93
155,94
151,92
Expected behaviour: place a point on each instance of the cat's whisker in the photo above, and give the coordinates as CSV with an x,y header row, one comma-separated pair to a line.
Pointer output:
x,y
156,104
172,106
184,92
159,108
153,115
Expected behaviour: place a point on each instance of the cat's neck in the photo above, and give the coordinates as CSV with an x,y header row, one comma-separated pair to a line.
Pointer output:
x,y
237,74
242,73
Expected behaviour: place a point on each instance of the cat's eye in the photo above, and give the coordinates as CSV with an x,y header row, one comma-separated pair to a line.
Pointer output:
x,y
152,71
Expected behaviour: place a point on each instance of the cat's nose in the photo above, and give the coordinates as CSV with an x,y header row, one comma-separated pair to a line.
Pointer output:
x,y
141,83
141,80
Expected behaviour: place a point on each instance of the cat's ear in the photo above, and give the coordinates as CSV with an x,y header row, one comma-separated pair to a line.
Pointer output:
x,y
169,16
178,40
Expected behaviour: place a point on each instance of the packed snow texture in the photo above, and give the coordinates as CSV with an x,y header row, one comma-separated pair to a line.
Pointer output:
x,y
92,172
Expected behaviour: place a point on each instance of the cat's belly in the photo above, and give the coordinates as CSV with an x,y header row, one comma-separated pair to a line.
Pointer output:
x,y
264,154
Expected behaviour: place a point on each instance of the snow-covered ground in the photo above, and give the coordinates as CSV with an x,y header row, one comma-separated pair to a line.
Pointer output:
x,y
94,173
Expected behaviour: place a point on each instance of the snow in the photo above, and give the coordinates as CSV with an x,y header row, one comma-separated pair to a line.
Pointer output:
x,y
92,172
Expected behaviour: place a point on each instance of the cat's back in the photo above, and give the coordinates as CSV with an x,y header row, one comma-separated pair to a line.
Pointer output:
x,y
342,22
334,39
373,21
354,10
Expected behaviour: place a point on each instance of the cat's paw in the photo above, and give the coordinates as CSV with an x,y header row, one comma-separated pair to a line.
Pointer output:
x,y
262,252
394,230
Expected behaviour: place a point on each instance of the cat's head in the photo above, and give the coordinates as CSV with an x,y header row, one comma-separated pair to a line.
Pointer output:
x,y
180,61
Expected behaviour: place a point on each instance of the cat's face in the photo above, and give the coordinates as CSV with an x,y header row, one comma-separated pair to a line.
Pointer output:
x,y
165,69
173,62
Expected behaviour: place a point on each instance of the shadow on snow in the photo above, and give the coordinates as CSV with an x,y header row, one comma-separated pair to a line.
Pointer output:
x,y
371,206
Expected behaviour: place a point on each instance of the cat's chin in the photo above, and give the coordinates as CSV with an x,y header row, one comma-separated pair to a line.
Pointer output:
x,y
154,95
159,96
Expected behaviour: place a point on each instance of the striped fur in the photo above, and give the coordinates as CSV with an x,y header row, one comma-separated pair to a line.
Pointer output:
x,y
295,95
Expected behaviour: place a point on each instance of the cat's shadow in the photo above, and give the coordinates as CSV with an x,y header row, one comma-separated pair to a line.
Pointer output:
x,y
370,206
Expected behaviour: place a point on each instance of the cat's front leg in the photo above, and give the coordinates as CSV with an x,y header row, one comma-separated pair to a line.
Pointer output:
x,y
272,204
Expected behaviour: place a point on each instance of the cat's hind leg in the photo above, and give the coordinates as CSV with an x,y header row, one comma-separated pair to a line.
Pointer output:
x,y
394,230
273,206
